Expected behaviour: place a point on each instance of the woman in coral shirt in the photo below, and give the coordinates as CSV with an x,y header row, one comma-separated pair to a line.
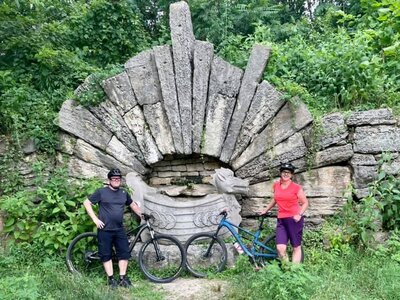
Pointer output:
x,y
292,203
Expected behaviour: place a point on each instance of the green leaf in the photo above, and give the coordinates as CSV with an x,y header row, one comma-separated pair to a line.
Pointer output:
x,y
56,210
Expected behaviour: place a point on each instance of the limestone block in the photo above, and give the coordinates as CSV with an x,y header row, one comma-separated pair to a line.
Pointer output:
x,y
183,39
136,122
203,56
376,139
128,158
334,130
290,119
142,73
157,120
327,182
364,175
363,160
90,154
333,155
361,193
251,206
288,150
251,78
81,169
224,86
119,90
165,68
266,103
381,116
66,143
78,121
324,206
109,116
393,167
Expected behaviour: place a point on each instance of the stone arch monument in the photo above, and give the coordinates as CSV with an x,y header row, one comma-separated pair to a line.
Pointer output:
x,y
178,113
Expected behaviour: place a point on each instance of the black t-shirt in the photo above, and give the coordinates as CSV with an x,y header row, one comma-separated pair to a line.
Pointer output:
x,y
112,205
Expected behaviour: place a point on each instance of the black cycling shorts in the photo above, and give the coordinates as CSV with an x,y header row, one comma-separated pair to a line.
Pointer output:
x,y
116,238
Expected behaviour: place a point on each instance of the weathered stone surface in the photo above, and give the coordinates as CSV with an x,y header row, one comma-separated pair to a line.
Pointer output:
x,y
334,130
90,154
325,182
288,150
203,56
251,78
224,86
393,167
266,103
323,206
363,160
376,139
108,114
165,68
142,73
322,182
29,146
381,116
361,193
4,144
81,169
121,153
78,121
119,90
182,44
251,206
364,175
136,122
66,143
333,155
290,119
159,127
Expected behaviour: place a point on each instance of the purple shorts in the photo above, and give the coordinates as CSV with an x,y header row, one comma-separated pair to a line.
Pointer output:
x,y
288,229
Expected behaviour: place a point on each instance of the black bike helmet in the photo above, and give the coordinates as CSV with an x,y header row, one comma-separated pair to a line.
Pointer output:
x,y
287,166
114,173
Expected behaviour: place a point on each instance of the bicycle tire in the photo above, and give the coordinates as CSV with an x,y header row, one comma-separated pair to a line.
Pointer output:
x,y
82,255
166,266
198,262
270,242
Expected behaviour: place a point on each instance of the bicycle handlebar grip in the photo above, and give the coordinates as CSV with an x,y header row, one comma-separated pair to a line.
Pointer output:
x,y
147,216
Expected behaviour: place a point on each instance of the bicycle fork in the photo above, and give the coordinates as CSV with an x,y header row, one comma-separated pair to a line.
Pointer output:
x,y
157,249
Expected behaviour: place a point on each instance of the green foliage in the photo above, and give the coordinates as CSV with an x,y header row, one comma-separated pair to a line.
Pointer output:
x,y
52,215
391,248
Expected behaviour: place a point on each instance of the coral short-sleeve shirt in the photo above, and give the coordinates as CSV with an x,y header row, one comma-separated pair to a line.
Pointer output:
x,y
287,199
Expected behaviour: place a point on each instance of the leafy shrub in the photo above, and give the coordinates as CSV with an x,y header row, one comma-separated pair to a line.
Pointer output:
x,y
52,215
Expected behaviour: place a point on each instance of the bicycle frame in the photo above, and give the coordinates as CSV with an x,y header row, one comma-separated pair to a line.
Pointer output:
x,y
252,252
138,231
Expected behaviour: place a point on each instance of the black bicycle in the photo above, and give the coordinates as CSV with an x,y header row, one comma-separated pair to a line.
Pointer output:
x,y
161,257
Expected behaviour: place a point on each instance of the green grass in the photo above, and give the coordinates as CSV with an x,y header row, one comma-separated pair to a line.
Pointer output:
x,y
326,275
344,273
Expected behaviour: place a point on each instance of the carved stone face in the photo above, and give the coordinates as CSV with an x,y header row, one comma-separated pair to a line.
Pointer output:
x,y
225,182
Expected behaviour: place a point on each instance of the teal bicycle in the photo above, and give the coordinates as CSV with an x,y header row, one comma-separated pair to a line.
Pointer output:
x,y
207,253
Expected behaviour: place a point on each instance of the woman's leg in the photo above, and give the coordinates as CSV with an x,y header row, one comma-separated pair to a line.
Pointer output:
x,y
282,251
296,255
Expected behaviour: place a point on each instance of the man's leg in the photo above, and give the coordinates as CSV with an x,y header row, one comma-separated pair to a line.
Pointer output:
x,y
108,267
123,265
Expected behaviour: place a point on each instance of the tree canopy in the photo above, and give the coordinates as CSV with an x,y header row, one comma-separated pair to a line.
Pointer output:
x,y
344,55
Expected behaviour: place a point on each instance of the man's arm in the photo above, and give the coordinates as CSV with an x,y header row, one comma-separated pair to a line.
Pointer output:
x,y
89,209
135,208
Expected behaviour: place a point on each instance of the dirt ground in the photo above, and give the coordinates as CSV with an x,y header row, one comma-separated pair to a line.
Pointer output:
x,y
194,289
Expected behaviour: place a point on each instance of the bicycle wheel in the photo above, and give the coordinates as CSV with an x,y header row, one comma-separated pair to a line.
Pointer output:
x,y
269,242
162,258
82,255
205,253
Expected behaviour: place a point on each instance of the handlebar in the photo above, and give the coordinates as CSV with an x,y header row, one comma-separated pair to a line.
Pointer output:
x,y
147,217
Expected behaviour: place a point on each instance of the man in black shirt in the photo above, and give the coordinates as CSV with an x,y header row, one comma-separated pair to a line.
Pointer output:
x,y
112,201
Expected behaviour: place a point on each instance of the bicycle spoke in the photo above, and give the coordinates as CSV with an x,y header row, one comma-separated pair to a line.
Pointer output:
x,y
161,259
